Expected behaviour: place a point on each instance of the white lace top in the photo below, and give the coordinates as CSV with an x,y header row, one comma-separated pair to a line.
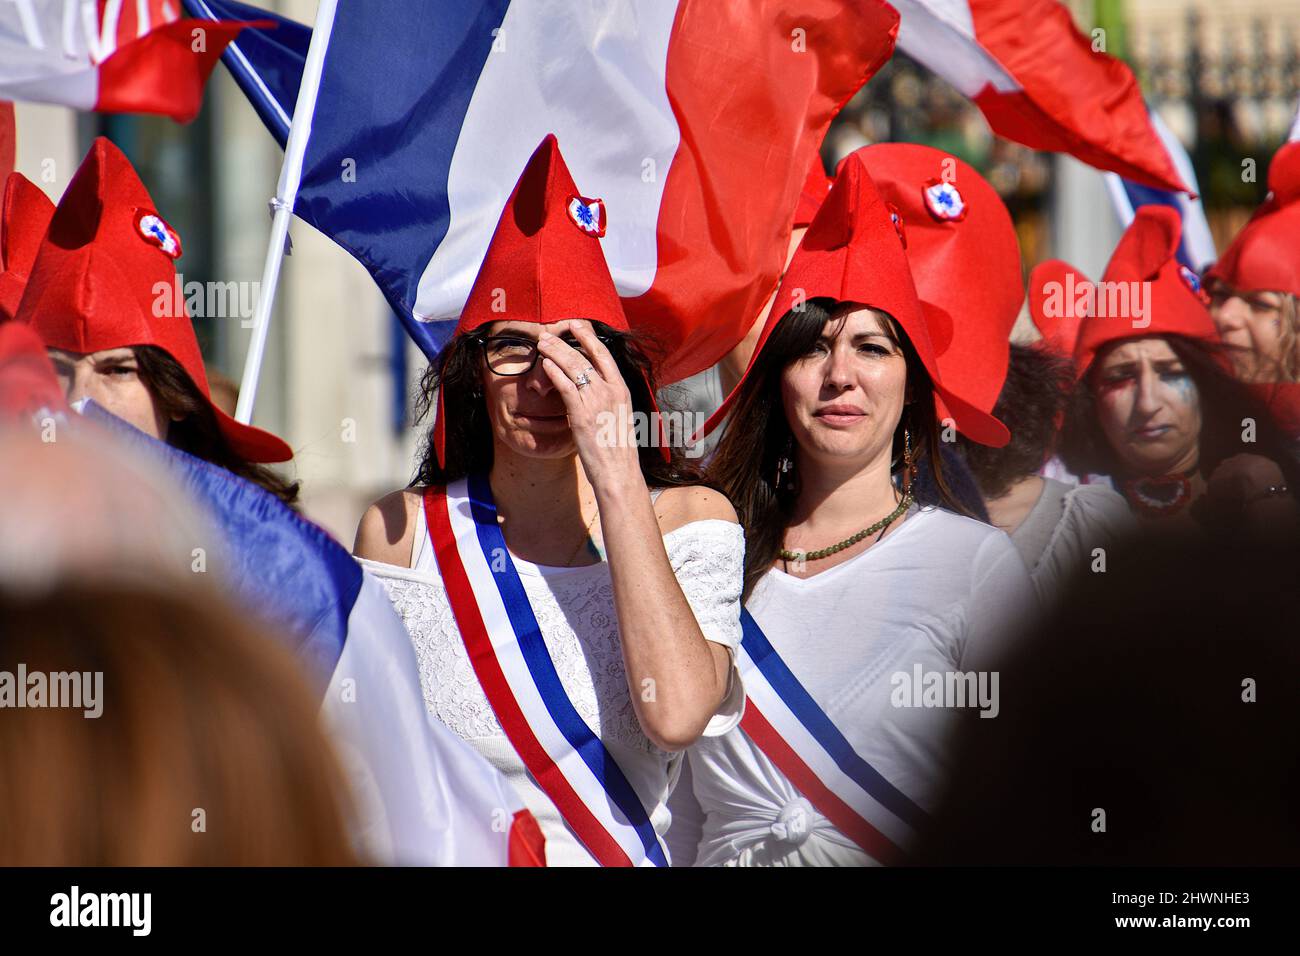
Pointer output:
x,y
575,612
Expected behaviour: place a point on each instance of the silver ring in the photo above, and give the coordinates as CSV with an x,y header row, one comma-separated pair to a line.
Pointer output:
x,y
581,379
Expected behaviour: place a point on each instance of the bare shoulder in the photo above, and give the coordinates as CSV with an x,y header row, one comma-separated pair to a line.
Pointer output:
x,y
680,506
387,528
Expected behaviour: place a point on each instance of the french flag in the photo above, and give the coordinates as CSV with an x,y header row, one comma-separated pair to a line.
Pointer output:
x,y
694,121
112,56
1038,81
424,796
1197,250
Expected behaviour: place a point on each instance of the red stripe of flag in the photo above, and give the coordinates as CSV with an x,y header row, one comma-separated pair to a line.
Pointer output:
x,y
753,87
165,70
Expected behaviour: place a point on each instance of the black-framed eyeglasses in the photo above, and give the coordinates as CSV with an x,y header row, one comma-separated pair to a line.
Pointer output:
x,y
517,354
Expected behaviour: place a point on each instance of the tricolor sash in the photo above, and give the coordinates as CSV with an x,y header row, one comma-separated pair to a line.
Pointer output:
x,y
784,722
515,670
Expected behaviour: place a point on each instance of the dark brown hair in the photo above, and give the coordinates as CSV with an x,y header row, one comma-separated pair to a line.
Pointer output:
x,y
458,371
757,434
199,710
1225,404
197,432
1032,405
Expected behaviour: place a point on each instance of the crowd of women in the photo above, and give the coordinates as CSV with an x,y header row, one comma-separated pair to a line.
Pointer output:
x,y
712,663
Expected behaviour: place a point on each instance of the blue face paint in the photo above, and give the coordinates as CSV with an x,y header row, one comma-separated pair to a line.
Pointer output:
x,y
1185,385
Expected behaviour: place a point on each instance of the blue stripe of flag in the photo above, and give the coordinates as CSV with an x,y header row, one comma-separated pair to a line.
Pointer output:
x,y
815,721
394,91
542,670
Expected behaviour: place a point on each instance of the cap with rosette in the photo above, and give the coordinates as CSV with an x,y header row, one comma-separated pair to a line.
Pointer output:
x,y
105,278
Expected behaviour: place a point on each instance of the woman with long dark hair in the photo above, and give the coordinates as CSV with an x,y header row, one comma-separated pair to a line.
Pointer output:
x,y
572,595
855,597
101,295
1156,407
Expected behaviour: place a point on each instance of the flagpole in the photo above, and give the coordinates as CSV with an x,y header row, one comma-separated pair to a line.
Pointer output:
x,y
286,193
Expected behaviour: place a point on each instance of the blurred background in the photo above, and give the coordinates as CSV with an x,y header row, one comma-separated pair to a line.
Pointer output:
x,y
339,372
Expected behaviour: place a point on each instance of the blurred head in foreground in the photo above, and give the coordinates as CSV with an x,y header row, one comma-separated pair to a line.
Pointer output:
x,y
75,505
205,750
1151,722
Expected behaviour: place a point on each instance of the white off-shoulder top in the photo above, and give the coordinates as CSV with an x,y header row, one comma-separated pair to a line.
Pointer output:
x,y
575,611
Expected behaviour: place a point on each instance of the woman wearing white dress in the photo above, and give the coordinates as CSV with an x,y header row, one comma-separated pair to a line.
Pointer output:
x,y
857,602
572,625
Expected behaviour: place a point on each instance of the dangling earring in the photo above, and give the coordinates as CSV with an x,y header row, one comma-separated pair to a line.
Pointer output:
x,y
785,463
909,465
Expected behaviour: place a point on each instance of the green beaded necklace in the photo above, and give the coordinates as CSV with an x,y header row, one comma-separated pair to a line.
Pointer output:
x,y
850,541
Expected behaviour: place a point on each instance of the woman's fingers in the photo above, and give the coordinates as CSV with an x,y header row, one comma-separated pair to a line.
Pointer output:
x,y
561,381
597,352
565,356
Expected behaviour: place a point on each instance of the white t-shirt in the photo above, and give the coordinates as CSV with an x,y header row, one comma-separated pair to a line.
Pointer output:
x,y
575,611
942,591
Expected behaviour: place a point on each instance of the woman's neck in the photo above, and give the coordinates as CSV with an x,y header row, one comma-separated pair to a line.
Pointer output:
x,y
835,496
544,505
1009,510
556,488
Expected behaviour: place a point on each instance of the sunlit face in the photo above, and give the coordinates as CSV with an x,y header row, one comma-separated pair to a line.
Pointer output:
x,y
1251,323
843,400
526,411
1148,406
111,379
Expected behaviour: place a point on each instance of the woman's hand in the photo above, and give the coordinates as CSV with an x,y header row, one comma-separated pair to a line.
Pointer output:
x,y
600,412
1243,478
1240,489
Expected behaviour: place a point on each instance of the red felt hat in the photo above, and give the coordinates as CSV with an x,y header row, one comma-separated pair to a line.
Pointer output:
x,y
815,189
544,264
853,252
1145,259
1052,288
28,385
965,258
97,278
1265,255
25,213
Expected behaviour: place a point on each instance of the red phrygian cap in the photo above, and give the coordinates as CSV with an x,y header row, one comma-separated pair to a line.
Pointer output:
x,y
97,279
1146,258
28,385
965,258
25,213
544,263
1049,283
1265,255
815,189
853,252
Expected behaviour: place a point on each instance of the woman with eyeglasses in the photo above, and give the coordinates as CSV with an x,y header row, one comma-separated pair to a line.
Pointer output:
x,y
1254,294
572,596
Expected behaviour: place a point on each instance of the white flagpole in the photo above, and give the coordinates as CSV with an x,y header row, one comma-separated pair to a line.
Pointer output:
x,y
286,192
